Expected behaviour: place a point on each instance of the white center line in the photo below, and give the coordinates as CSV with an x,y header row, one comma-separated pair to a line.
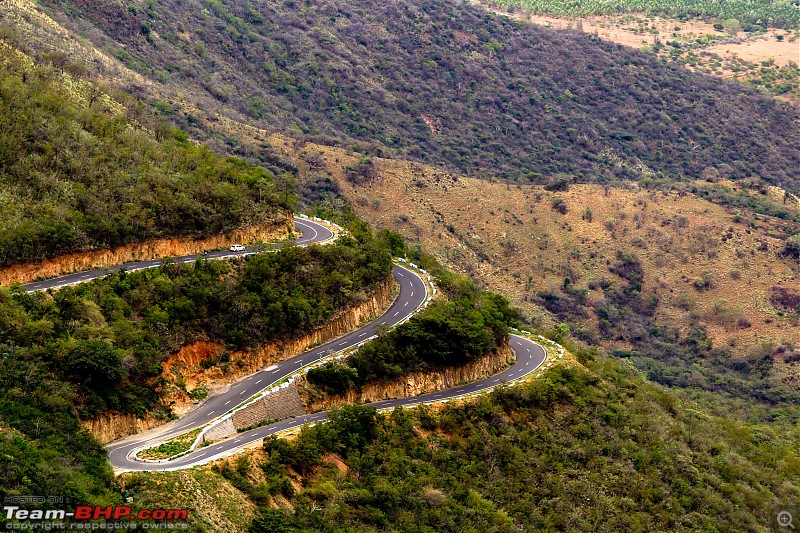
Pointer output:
x,y
405,304
342,343
211,413
412,293
257,382
396,313
400,274
226,403
362,334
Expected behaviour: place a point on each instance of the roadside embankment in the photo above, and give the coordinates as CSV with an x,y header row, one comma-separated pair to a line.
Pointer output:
x,y
279,228
188,368
413,384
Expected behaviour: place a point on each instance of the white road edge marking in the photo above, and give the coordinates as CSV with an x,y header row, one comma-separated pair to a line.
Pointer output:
x,y
318,416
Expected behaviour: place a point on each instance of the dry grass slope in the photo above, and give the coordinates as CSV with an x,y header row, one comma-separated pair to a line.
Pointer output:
x,y
704,261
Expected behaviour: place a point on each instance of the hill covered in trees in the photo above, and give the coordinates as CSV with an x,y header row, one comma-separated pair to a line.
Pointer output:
x,y
83,167
592,448
83,351
451,84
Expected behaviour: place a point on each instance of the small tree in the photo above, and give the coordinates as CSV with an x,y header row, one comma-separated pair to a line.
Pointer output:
x,y
560,183
733,26
95,362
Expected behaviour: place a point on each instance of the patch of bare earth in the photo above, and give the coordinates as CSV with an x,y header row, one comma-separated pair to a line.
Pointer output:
x,y
724,53
641,30
512,240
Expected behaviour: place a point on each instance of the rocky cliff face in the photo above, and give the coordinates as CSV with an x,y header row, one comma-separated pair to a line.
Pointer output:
x,y
112,426
409,385
271,230
185,365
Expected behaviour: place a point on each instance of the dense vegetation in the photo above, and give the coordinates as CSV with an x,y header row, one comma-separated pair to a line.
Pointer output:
x,y
83,350
578,450
743,199
748,13
107,338
448,333
47,452
451,84
78,172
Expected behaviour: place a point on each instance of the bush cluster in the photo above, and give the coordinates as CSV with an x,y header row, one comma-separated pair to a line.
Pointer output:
x,y
447,333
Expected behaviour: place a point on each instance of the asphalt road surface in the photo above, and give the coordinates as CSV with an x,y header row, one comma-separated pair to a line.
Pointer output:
x,y
412,294
312,233
529,357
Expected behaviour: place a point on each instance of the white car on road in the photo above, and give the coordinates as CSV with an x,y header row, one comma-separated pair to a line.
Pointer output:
x,y
237,248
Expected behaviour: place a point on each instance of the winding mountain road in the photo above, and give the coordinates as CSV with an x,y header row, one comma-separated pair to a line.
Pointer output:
x,y
530,356
312,233
412,294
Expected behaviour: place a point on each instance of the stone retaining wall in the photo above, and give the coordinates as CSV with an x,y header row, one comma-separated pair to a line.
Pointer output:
x,y
220,431
278,405
283,403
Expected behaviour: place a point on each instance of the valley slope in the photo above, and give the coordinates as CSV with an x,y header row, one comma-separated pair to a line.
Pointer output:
x,y
445,83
